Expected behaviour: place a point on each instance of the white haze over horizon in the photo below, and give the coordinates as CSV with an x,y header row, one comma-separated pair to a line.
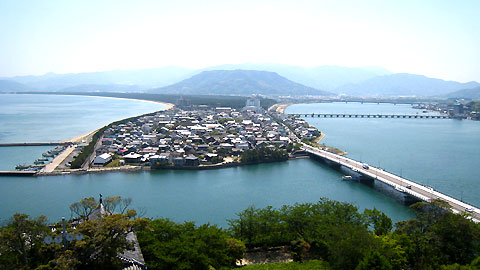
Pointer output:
x,y
435,38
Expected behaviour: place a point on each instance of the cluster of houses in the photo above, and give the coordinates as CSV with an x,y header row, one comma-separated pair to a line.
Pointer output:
x,y
195,137
459,109
299,127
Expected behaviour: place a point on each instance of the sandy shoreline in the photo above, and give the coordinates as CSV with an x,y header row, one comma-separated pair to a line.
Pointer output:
x,y
50,167
282,107
79,138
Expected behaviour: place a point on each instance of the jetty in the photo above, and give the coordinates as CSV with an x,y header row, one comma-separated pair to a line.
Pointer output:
x,y
353,115
415,190
18,173
34,144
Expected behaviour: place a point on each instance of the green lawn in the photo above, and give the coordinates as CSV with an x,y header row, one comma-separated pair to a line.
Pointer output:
x,y
113,163
314,264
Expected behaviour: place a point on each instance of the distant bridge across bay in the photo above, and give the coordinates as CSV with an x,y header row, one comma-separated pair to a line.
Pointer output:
x,y
350,115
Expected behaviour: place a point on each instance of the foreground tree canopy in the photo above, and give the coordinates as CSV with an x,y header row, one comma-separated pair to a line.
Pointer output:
x,y
331,232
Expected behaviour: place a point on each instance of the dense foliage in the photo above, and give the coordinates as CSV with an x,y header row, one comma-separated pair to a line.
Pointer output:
x,y
168,245
263,154
80,159
339,234
22,246
473,106
335,233
313,264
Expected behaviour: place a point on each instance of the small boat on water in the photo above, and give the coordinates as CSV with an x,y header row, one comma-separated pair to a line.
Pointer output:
x,y
38,162
347,177
22,167
48,154
57,150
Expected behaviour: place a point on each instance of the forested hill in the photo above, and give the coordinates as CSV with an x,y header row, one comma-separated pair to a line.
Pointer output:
x,y
472,93
239,82
12,86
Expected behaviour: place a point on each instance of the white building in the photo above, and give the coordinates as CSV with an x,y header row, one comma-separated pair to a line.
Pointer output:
x,y
102,159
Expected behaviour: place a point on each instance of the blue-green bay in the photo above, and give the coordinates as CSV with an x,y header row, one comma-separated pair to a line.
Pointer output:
x,y
201,196
442,153
54,118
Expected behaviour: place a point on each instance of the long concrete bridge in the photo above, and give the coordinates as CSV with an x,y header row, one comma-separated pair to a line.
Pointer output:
x,y
403,185
353,115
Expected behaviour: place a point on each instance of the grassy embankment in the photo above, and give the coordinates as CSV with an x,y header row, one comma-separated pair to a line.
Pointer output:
x,y
316,143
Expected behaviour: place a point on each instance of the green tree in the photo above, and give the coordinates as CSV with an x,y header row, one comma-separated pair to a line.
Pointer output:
x,y
300,250
374,261
117,204
167,245
83,208
458,238
438,237
381,223
104,238
21,242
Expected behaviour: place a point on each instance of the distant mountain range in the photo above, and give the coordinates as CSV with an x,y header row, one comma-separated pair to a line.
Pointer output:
x,y
324,77
239,82
472,93
12,86
274,79
403,84
141,79
327,78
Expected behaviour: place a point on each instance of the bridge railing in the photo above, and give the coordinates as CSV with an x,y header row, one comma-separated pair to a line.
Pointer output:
x,y
435,194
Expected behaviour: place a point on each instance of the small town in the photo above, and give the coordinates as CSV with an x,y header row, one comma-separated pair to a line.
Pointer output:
x,y
200,137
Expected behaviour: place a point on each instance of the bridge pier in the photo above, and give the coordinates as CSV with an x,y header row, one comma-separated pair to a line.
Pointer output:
x,y
367,180
327,162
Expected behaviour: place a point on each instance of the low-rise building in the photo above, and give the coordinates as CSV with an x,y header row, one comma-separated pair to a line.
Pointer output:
x,y
102,159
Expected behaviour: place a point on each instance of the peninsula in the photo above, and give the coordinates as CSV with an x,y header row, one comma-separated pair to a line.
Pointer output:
x,y
187,137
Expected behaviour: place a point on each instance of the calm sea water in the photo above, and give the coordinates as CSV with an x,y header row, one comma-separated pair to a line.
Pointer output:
x,y
442,153
201,196
10,157
52,118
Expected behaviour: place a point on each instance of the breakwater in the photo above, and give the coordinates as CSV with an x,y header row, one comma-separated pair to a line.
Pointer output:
x,y
33,144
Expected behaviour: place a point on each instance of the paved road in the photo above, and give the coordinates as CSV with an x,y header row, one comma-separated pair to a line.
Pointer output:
x,y
50,167
419,191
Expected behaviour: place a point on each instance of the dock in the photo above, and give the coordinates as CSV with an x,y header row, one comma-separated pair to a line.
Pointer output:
x,y
18,173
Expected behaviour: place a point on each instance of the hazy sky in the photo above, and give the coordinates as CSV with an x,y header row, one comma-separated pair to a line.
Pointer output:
x,y
437,38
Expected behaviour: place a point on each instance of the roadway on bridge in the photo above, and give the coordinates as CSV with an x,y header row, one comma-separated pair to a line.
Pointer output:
x,y
419,191
422,192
